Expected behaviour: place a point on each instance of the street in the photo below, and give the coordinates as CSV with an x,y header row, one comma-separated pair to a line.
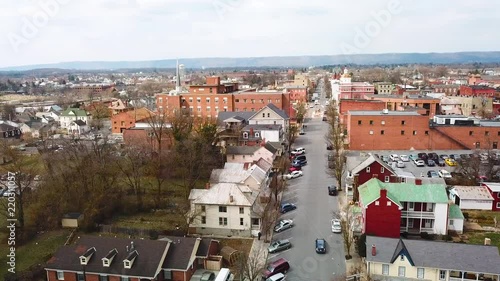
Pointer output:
x,y
312,218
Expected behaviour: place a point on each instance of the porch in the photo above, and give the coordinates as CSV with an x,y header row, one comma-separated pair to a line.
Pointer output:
x,y
417,226
469,276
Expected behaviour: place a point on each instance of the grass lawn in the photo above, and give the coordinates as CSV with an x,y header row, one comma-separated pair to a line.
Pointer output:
x,y
484,218
159,220
35,252
478,238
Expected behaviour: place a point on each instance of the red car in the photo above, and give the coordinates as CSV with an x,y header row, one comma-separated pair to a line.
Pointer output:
x,y
294,169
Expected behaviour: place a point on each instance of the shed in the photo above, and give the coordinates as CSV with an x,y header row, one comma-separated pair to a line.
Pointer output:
x,y
455,219
471,197
230,255
71,220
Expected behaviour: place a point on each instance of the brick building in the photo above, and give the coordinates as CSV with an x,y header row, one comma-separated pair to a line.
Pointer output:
x,y
401,130
403,102
449,89
358,104
475,90
127,119
297,93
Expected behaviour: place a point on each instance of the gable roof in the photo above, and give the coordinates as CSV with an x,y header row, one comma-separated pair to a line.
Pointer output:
x,y
256,173
241,150
455,212
269,146
493,186
220,194
204,247
180,252
240,115
146,265
434,254
264,164
228,175
274,108
367,162
401,250
402,192
74,112
472,192
139,113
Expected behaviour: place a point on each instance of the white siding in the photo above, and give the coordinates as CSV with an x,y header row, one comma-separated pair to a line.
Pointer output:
x,y
441,218
272,136
233,216
476,204
456,225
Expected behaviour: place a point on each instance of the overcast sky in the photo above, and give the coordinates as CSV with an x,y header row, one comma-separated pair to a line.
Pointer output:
x,y
89,30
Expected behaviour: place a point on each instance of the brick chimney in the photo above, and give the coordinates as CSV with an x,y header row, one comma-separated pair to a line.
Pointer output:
x,y
383,193
251,133
231,198
374,250
418,181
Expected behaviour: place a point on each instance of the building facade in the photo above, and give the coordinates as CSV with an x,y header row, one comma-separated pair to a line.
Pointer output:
x,y
494,189
476,91
346,105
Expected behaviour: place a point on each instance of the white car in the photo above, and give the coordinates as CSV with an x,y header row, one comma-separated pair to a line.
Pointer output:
x,y
404,158
336,226
293,175
298,150
420,163
401,164
444,174
394,157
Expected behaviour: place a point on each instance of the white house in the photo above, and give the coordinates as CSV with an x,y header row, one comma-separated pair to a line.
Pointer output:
x,y
78,127
73,114
47,116
225,209
455,219
254,177
471,197
248,154
256,134
270,115
400,259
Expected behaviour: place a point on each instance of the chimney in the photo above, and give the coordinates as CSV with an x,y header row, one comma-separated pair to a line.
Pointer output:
x,y
132,248
207,185
126,247
231,198
251,132
487,241
374,250
383,193
418,181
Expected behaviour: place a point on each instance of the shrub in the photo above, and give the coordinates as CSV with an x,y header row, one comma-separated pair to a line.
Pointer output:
x,y
153,234
424,235
466,215
404,234
361,245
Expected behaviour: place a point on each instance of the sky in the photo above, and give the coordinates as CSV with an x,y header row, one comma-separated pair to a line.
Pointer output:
x,y
51,31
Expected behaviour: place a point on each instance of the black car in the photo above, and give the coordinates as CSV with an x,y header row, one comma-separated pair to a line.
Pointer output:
x,y
299,162
430,163
296,165
433,156
440,162
423,156
320,245
287,207
332,190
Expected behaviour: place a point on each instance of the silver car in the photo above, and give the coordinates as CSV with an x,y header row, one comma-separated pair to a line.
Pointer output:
x,y
283,225
279,245
336,226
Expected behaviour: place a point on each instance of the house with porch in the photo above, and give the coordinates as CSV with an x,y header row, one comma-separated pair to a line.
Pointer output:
x,y
389,209
253,135
73,114
248,154
225,209
78,127
402,259
230,124
270,115
494,189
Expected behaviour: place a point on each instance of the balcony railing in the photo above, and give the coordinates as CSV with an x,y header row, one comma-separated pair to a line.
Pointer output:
x,y
416,230
417,214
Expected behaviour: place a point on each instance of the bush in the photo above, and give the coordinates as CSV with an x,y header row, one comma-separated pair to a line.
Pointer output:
x,y
153,234
424,235
404,234
466,215
361,245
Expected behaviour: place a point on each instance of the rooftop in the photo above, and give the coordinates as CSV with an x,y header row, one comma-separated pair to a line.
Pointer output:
x,y
472,192
493,186
455,212
224,194
379,112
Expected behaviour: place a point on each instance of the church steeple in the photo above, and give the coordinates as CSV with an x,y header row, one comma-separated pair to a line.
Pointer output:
x,y
177,78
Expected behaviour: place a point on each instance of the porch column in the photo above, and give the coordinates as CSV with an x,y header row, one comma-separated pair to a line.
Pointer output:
x,y
462,275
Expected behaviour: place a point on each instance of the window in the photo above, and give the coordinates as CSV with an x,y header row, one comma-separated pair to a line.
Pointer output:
x,y
60,275
245,135
269,115
124,279
263,115
208,100
471,133
208,108
122,123
359,122
389,203
253,101
257,135
371,122
426,133
403,122
402,132
222,221
79,277
242,221
498,204
190,100
255,221
486,133
367,169
198,99
103,278
386,178
411,206
420,273
414,133
167,274
203,208
451,222
203,220
371,132
402,271
382,132
377,203
222,209
242,210
382,122
385,269
442,274
382,170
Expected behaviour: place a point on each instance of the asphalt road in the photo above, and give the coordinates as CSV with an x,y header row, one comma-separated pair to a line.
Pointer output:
x,y
313,214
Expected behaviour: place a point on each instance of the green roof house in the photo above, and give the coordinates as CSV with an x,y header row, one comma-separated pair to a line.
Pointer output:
x,y
73,114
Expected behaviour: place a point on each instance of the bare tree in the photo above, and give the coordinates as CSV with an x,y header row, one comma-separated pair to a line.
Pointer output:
x,y
301,111
348,223
99,113
250,268
133,168
335,137
268,216
328,87
291,135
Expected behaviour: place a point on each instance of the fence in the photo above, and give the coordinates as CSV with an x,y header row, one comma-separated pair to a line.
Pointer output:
x,y
354,277
140,232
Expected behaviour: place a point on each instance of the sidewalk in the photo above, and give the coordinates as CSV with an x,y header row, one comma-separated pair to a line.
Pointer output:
x,y
258,253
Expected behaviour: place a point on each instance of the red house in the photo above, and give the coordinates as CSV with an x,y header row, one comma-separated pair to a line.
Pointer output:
x,y
370,168
494,188
381,216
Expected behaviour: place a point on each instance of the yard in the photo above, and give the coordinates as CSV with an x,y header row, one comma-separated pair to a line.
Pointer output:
x,y
37,251
159,220
241,244
478,238
484,218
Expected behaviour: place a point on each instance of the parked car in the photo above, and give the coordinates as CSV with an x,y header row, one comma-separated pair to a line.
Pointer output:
x,y
302,132
278,246
385,158
336,226
283,225
456,156
440,162
320,245
287,207
300,157
444,174
293,175
298,151
401,164
413,157
404,158
207,276
394,157
299,162
450,162
432,174
277,277
297,165
431,163
332,190
423,156
433,156
275,267
444,156
420,163
294,168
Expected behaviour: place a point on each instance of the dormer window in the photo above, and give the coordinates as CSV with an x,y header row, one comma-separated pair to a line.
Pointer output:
x,y
245,135
257,135
85,258
108,259
129,261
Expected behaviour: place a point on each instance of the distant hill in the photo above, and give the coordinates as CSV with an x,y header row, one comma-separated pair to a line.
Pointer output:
x,y
289,61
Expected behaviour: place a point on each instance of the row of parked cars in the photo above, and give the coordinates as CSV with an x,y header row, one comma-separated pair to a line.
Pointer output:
x,y
425,159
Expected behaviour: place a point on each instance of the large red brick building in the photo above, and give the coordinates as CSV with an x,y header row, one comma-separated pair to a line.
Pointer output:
x,y
358,104
210,99
127,119
476,91
404,130
404,102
